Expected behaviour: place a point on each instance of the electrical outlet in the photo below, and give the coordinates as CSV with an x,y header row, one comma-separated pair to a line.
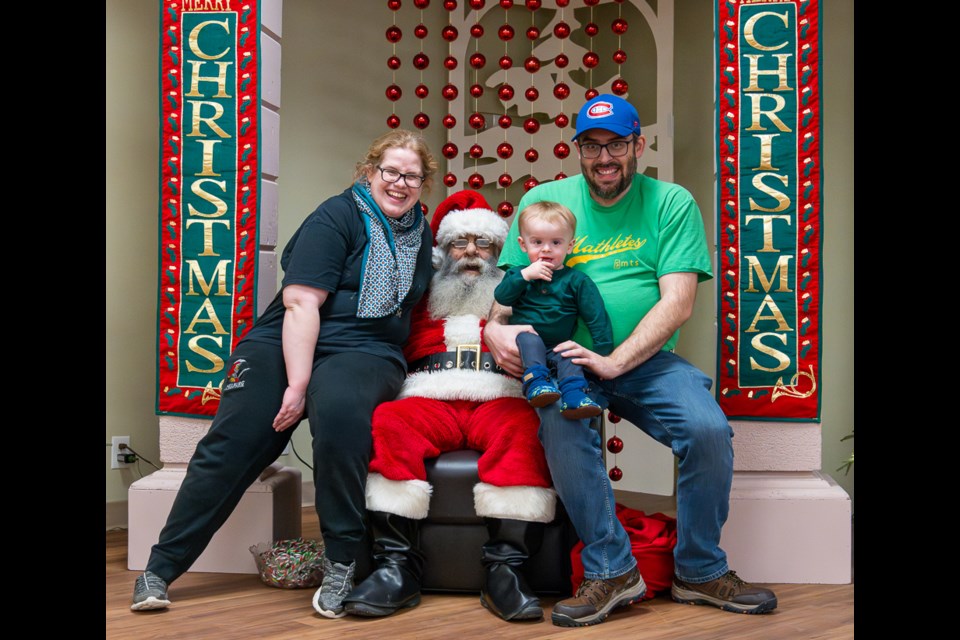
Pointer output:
x,y
115,451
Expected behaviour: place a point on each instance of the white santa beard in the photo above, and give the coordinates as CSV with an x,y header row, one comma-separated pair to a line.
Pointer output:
x,y
455,294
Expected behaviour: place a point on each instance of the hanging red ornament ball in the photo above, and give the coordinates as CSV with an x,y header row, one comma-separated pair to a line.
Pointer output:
x,y
477,121
505,32
619,56
590,59
505,209
420,31
505,121
450,92
449,5
393,121
477,60
561,120
422,91
561,30
533,32
591,3
614,444
393,62
449,121
477,4
449,33
421,120
476,90
449,151
531,155
476,151
450,63
591,29
560,176
612,417
506,62
531,125
619,26
450,180
561,91
421,4
394,34
504,150
561,150
531,94
532,64
590,94
475,181
505,92
530,183
421,61
477,30
563,3
619,86
561,61
393,93
393,5
616,474
506,4
505,180
533,5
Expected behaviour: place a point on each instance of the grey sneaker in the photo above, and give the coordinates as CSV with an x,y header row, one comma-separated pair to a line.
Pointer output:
x,y
149,592
595,599
337,583
727,592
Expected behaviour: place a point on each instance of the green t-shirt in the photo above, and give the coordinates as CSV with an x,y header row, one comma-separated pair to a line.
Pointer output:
x,y
655,229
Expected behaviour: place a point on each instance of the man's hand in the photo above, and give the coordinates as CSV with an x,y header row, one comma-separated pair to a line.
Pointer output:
x,y
501,339
604,367
539,270
291,409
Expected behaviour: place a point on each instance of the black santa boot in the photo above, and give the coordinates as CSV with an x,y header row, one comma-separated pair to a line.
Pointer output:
x,y
505,590
395,583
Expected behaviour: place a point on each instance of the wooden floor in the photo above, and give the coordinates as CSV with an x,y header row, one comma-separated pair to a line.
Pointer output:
x,y
229,606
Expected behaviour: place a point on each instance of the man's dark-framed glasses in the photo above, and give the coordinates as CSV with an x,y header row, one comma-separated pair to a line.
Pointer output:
x,y
412,180
617,148
461,243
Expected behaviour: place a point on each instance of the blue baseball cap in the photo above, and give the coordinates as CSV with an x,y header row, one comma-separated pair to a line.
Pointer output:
x,y
608,112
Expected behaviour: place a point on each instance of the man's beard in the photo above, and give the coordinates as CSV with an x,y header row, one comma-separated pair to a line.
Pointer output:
x,y
456,291
614,190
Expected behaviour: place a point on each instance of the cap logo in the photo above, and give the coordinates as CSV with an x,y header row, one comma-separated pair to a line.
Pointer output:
x,y
600,110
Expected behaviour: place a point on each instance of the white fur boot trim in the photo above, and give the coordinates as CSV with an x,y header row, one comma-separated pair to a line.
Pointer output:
x,y
534,504
407,498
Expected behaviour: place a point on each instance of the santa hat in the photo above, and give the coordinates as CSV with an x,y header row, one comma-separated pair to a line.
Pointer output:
x,y
465,213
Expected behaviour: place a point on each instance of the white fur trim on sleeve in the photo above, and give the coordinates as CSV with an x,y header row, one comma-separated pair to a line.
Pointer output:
x,y
407,498
534,504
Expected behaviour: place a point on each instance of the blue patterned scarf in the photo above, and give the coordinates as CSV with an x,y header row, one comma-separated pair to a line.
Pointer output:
x,y
390,257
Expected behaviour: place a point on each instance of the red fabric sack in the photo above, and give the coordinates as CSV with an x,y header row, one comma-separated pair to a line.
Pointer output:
x,y
652,539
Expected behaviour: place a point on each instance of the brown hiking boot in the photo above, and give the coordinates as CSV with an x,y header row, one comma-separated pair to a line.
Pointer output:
x,y
728,592
595,599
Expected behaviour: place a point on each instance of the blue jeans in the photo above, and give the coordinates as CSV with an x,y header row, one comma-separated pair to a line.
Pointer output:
x,y
670,400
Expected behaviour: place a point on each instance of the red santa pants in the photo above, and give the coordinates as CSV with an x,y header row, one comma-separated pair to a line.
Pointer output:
x,y
504,430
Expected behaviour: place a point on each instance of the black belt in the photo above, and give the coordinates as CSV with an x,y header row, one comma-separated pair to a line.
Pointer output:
x,y
467,356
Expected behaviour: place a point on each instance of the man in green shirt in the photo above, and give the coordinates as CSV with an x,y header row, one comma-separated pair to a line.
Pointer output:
x,y
642,241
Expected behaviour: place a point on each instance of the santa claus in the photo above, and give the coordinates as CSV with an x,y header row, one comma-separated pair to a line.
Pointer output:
x,y
456,397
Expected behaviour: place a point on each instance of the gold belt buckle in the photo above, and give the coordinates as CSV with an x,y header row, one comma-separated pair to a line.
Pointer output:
x,y
475,348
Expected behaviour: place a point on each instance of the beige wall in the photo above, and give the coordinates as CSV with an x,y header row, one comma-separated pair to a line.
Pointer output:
x,y
333,105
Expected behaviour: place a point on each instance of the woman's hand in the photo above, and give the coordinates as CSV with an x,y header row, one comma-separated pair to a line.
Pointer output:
x,y
291,409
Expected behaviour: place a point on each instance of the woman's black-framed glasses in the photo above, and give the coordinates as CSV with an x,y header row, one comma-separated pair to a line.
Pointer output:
x,y
616,149
412,180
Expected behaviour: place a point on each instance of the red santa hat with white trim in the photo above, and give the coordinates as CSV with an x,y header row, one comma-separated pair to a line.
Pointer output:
x,y
465,213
